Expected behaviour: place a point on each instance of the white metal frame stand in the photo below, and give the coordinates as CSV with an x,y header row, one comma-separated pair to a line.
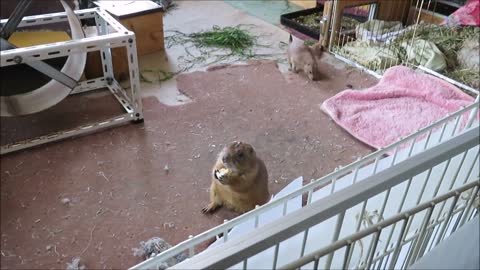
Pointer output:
x,y
103,42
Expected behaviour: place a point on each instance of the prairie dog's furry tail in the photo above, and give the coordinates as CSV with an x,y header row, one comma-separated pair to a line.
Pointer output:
x,y
290,39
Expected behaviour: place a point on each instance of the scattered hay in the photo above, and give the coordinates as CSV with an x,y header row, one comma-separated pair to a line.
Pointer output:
x,y
313,21
235,39
151,247
76,264
219,45
155,246
449,41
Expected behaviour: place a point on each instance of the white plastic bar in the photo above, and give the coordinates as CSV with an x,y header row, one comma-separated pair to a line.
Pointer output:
x,y
473,113
332,190
89,85
395,152
384,204
436,230
447,219
457,121
428,139
225,232
375,166
63,48
469,206
421,235
437,188
135,76
360,218
475,162
105,53
347,256
444,126
191,250
454,179
315,264
371,230
304,242
399,242
410,150
425,182
457,220
60,135
310,193
407,189
118,27
336,233
275,256
385,259
125,102
455,176
373,248
405,192
53,17
426,240
355,175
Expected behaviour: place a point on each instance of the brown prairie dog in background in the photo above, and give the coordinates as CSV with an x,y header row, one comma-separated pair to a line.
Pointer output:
x,y
239,180
303,57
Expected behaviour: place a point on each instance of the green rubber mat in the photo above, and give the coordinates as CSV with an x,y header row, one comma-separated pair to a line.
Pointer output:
x,y
268,11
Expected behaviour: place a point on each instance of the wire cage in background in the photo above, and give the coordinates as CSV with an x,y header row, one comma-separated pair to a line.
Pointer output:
x,y
417,33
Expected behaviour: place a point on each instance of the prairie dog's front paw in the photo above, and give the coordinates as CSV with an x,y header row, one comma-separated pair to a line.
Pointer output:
x,y
221,173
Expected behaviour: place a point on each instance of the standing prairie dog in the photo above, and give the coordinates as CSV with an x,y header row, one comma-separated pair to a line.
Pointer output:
x,y
239,180
302,57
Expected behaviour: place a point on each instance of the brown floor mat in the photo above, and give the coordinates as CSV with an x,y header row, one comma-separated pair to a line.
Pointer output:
x,y
118,189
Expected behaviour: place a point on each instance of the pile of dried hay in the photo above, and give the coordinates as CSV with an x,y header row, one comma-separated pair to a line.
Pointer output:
x,y
450,41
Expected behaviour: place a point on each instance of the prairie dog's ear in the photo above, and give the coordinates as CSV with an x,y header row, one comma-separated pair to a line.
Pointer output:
x,y
317,46
317,49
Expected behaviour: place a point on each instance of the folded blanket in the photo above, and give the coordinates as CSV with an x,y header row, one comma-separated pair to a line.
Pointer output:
x,y
401,103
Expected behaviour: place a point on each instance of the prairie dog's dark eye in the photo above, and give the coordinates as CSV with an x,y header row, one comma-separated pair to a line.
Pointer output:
x,y
241,156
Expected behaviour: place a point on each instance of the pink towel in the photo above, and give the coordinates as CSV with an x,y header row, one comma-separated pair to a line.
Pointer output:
x,y
469,14
401,103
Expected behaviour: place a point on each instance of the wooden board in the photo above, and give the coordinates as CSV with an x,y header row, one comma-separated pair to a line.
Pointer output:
x,y
425,16
93,67
394,10
148,32
304,3
387,10
144,18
